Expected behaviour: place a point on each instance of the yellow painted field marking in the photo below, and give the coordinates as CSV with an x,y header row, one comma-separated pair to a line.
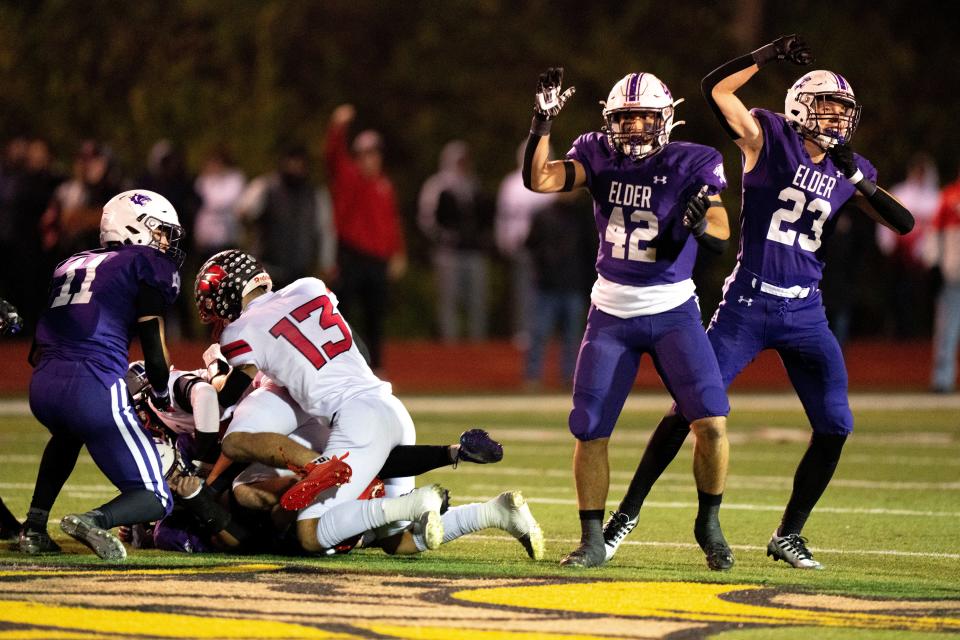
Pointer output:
x,y
137,623
235,568
445,633
689,601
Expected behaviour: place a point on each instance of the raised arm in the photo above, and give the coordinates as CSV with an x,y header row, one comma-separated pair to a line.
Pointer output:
x,y
720,85
539,173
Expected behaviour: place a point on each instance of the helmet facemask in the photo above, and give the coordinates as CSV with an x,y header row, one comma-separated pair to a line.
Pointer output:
x,y
223,282
172,233
638,115
824,123
636,133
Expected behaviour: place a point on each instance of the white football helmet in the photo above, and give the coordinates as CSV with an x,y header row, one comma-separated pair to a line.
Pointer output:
x,y
142,217
805,107
641,93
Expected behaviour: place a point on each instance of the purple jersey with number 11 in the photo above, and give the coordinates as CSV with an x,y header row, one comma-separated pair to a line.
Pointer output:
x,y
639,206
91,313
787,200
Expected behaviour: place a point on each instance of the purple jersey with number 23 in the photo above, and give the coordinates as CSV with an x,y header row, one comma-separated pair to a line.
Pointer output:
x,y
787,199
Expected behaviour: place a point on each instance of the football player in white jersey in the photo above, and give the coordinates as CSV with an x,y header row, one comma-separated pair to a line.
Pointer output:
x,y
297,337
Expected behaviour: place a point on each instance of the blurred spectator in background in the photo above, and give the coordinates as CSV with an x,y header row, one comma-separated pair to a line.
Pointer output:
x,y
946,329
562,244
25,198
516,206
71,222
219,185
292,225
371,250
166,173
457,221
910,287
851,237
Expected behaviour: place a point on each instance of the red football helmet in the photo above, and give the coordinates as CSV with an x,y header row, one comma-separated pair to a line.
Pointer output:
x,y
223,281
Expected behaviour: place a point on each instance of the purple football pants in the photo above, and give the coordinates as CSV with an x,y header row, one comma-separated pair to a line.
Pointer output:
x,y
749,321
610,357
66,398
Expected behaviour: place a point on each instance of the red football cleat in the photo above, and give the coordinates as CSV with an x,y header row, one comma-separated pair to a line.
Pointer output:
x,y
317,476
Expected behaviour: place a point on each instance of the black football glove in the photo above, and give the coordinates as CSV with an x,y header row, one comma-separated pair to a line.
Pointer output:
x,y
549,100
791,48
695,216
160,399
842,156
10,320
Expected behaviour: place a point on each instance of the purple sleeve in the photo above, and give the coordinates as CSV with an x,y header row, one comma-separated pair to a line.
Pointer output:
x,y
709,171
582,152
866,167
160,273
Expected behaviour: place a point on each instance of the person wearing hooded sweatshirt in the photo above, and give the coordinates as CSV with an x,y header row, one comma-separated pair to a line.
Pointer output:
x,y
457,220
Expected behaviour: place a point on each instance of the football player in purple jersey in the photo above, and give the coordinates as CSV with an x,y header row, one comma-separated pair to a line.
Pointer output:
x,y
10,323
655,203
798,171
98,300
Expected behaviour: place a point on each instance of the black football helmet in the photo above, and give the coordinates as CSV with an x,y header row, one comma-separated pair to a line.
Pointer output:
x,y
223,281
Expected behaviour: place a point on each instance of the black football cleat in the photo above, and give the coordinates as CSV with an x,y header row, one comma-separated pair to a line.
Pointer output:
x,y
719,556
82,528
478,447
35,541
585,557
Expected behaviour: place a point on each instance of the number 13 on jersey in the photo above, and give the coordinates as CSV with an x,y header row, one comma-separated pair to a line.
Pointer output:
x,y
309,341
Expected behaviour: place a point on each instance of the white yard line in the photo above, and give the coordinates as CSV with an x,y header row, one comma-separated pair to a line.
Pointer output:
x,y
739,547
736,507
509,402
737,481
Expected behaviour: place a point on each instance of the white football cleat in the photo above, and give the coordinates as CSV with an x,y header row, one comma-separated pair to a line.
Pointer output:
x,y
792,549
516,519
422,506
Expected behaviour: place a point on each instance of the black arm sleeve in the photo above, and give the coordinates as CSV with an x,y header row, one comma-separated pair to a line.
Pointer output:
x,y
532,141
538,129
713,78
150,302
236,383
892,212
154,360
712,244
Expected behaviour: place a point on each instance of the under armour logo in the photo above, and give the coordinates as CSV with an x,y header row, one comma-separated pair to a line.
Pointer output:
x,y
140,199
659,179
746,301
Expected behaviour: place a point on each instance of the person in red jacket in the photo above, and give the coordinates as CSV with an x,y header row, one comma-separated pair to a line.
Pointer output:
x,y
371,251
946,328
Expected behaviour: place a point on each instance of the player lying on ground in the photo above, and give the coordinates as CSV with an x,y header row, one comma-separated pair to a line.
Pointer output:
x,y
250,520
239,522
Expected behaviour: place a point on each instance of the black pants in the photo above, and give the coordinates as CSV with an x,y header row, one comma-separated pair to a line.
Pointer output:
x,y
362,292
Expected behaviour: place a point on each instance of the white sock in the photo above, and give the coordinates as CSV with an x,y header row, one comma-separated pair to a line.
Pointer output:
x,y
468,518
348,519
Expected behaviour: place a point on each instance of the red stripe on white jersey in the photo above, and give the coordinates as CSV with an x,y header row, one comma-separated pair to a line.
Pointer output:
x,y
235,348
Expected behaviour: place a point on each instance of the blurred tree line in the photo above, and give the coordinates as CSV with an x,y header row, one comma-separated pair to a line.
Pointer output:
x,y
259,75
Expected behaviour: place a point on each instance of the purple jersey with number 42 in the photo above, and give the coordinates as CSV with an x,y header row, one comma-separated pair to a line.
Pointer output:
x,y
787,199
91,313
639,206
